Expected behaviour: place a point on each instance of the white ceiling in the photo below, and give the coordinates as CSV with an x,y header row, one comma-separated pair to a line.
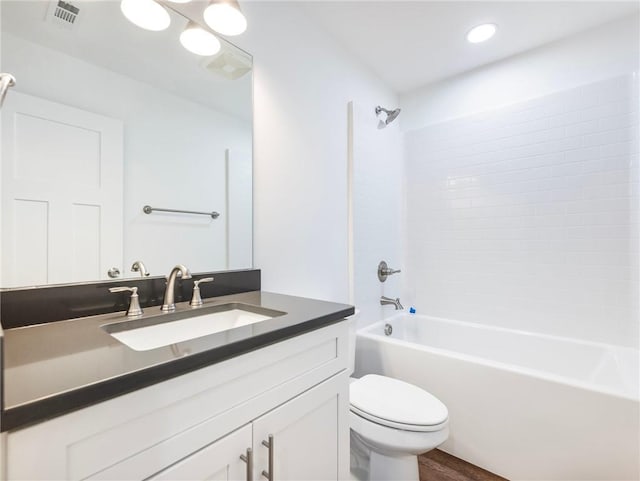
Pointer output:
x,y
411,44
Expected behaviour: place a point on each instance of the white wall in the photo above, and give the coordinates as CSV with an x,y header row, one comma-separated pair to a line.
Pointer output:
x,y
606,51
174,154
377,210
303,82
526,215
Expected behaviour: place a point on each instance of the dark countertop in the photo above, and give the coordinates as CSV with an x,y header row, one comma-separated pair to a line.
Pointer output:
x,y
54,368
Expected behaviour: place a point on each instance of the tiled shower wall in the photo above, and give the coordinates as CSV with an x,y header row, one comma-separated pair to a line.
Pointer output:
x,y
527,216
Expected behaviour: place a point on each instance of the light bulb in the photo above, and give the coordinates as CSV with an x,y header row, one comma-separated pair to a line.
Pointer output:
x,y
481,33
146,14
197,40
225,17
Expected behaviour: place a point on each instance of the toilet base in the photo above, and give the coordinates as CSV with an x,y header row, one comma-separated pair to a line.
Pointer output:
x,y
387,468
368,465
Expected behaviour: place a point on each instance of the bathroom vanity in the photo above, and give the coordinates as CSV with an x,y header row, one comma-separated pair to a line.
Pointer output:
x,y
268,400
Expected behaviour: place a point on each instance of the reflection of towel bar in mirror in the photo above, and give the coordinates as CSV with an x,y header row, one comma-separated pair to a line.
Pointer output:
x,y
147,209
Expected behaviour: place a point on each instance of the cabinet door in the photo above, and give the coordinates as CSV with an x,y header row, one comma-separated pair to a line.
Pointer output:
x,y
310,435
219,461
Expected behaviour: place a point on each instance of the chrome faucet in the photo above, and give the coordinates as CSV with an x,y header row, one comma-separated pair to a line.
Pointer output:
x,y
168,304
138,266
384,301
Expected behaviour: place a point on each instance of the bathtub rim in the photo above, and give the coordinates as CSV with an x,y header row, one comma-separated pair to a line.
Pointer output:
x,y
366,331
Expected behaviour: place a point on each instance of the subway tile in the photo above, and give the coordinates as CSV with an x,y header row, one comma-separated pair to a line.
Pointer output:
x,y
618,121
567,169
522,216
607,191
609,137
583,128
581,154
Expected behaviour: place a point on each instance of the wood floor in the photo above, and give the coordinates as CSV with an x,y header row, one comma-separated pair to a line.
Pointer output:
x,y
439,466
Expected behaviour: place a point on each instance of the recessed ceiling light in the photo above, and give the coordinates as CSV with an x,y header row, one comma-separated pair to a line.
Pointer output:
x,y
482,33
146,14
197,40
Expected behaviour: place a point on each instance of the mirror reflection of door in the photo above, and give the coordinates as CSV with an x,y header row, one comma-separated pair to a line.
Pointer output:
x,y
239,204
61,193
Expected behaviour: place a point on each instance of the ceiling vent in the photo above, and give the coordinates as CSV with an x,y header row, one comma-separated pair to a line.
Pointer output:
x,y
63,14
229,63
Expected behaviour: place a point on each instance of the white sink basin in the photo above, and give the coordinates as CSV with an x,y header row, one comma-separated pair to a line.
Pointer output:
x,y
163,330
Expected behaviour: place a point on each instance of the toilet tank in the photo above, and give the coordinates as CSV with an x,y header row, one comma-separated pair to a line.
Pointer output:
x,y
353,321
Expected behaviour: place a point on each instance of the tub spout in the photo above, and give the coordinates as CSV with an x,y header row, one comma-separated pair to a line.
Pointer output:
x,y
392,302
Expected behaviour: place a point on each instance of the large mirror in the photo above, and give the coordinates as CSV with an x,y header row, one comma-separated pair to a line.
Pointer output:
x,y
105,119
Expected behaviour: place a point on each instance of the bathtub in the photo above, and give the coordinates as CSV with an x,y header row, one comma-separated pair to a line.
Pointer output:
x,y
522,405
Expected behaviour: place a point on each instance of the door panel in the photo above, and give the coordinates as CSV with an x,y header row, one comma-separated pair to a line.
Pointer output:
x,y
239,207
62,184
306,436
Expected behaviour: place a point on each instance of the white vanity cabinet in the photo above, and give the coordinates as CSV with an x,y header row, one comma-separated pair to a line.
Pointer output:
x,y
302,433
196,426
304,436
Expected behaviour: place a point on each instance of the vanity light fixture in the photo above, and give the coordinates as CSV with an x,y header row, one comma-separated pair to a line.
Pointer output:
x,y
197,40
481,33
146,14
225,17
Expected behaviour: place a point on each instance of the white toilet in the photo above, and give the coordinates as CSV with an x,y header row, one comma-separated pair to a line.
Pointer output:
x,y
391,422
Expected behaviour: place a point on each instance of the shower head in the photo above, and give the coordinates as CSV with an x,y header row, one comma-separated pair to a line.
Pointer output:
x,y
391,114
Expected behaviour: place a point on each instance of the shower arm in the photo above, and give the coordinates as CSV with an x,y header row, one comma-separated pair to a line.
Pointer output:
x,y
6,80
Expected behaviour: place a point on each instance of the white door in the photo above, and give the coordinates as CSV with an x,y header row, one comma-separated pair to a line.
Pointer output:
x,y
219,461
310,436
61,199
239,217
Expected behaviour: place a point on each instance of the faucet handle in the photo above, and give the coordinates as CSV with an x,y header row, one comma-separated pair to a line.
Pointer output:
x,y
196,300
206,279
385,271
134,309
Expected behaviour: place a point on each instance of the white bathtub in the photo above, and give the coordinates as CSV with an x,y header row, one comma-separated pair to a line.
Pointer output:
x,y
522,405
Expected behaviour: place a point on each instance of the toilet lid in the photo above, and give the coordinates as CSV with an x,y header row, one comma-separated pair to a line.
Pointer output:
x,y
391,401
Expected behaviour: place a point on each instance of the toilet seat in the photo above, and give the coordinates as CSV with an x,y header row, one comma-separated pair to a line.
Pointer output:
x,y
396,404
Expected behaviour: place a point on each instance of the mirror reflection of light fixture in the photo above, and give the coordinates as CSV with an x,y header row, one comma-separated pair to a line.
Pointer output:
x,y
146,14
197,40
225,17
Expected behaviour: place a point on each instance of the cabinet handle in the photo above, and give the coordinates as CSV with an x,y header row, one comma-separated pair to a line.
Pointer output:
x,y
249,460
269,444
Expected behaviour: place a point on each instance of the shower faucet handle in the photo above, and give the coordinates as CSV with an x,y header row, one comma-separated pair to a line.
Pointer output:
x,y
385,271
